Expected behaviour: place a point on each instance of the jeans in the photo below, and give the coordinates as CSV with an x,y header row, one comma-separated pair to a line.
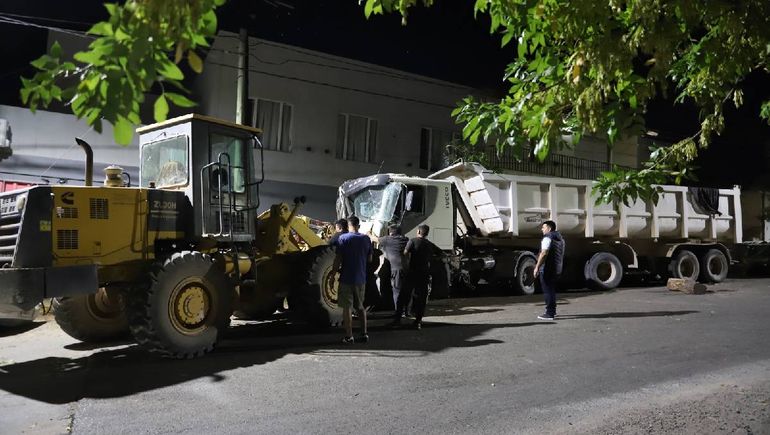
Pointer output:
x,y
548,286
397,278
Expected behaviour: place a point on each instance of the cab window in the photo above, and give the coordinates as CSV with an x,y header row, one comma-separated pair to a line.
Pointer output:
x,y
165,163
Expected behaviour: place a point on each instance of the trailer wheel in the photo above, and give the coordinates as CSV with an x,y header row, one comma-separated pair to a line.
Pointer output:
x,y
186,308
684,265
92,318
603,271
524,281
713,266
316,299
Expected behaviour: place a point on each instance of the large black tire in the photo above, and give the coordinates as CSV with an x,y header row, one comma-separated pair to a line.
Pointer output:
x,y
315,300
684,265
603,271
186,308
92,318
524,281
713,266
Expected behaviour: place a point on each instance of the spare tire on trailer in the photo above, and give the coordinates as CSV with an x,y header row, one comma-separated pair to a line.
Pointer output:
x,y
92,318
713,266
684,265
603,271
315,299
524,281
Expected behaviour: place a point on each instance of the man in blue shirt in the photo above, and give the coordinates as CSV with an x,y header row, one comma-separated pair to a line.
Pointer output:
x,y
354,251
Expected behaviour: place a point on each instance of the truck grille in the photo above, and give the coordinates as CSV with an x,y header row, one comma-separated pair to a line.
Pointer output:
x,y
10,224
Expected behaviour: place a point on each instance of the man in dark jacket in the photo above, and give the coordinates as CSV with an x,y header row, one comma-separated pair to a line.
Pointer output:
x,y
549,267
393,246
419,252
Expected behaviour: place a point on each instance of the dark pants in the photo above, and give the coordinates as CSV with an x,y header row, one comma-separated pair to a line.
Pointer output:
x,y
415,290
548,286
397,281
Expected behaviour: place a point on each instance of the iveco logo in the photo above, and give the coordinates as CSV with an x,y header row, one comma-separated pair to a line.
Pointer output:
x,y
68,198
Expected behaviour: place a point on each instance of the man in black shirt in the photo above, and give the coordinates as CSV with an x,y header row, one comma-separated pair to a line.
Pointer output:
x,y
341,227
393,246
419,252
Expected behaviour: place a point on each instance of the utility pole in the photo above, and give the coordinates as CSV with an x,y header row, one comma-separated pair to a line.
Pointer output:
x,y
242,86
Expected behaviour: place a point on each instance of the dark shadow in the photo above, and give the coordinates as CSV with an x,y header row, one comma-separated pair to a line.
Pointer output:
x,y
11,329
81,346
622,315
127,371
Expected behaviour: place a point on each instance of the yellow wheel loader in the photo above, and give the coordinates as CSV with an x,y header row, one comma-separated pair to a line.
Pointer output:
x,y
170,260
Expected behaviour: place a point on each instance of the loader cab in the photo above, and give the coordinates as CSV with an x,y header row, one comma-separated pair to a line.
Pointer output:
x,y
382,200
214,163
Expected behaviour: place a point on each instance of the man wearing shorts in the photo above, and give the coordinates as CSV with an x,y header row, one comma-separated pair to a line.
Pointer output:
x,y
354,251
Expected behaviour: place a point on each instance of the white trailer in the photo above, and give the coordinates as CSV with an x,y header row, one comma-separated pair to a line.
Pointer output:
x,y
489,225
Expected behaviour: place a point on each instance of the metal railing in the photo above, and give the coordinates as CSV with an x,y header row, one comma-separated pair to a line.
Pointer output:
x,y
554,165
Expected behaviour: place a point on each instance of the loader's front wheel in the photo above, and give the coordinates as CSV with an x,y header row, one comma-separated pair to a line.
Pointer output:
x,y
92,318
316,298
186,308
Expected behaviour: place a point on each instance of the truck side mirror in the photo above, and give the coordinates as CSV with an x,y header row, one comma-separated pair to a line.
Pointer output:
x,y
409,198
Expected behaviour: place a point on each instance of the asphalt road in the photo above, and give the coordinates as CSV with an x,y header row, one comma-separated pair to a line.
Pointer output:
x,y
636,360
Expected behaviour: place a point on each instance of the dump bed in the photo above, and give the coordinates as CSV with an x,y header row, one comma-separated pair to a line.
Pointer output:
x,y
515,205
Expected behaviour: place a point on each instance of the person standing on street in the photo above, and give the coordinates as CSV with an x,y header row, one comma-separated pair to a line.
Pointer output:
x,y
549,266
340,227
393,246
419,252
354,251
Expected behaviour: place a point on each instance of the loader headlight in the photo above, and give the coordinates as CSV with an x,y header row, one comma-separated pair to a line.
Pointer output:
x,y
21,201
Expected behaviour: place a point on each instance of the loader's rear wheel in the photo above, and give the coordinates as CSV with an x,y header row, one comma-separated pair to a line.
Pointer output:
x,y
316,298
185,310
92,318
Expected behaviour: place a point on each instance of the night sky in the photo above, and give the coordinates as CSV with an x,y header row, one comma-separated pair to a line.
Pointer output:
x,y
444,41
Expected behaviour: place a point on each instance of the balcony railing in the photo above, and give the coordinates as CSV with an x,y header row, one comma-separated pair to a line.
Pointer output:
x,y
555,165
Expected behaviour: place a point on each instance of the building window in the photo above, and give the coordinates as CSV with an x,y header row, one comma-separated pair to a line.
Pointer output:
x,y
274,119
356,138
433,144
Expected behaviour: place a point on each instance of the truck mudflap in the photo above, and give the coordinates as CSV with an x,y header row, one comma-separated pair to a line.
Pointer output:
x,y
21,289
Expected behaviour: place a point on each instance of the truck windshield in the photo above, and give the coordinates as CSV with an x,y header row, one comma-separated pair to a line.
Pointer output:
x,y
165,163
377,203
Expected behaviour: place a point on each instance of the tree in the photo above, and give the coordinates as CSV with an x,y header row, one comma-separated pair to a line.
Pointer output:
x,y
140,46
591,66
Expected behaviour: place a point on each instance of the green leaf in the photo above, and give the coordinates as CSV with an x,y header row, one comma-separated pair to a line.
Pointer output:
x,y
169,70
196,64
160,109
55,50
123,131
102,28
88,57
180,100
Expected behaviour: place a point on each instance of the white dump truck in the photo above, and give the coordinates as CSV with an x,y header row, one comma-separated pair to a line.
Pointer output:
x,y
488,224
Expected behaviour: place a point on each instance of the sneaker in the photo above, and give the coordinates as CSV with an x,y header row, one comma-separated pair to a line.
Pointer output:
x,y
545,317
348,340
363,338
417,325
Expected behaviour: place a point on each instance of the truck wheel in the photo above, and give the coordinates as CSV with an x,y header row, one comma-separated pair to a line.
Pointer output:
x,y
603,271
92,318
713,266
315,299
186,309
684,265
524,281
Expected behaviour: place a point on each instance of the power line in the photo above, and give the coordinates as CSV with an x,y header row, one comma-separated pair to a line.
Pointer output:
x,y
331,85
358,70
53,20
9,20
342,61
